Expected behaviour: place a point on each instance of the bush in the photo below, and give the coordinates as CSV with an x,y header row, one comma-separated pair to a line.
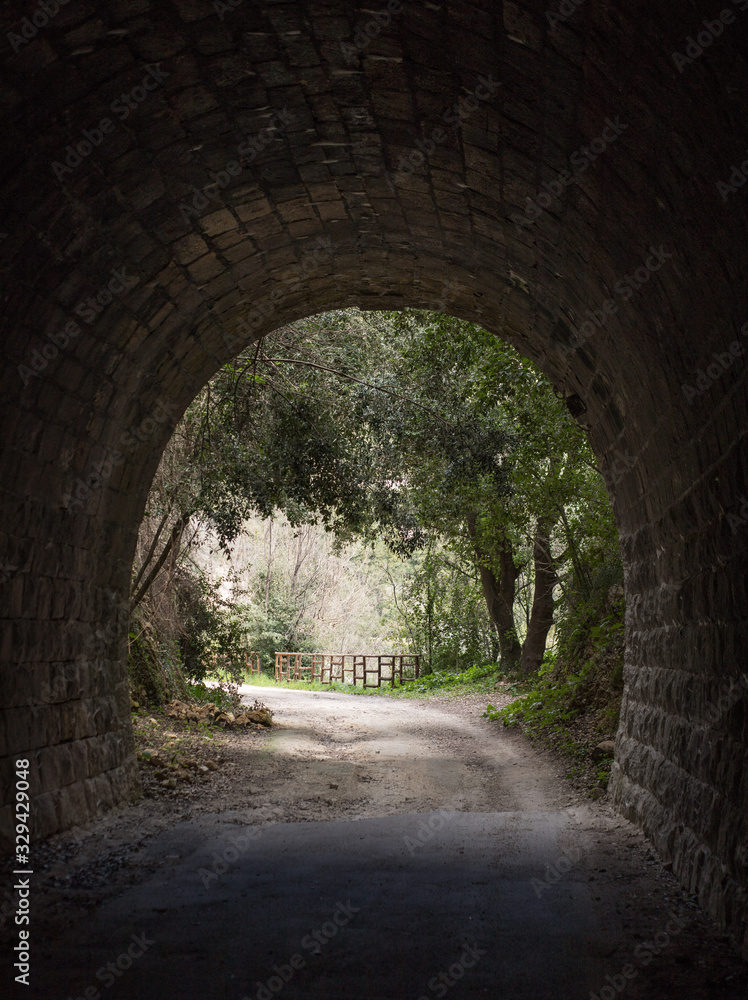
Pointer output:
x,y
277,630
214,634
444,617
154,666
450,679
584,673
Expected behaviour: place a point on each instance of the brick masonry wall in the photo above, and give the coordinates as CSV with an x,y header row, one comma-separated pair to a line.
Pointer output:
x,y
178,180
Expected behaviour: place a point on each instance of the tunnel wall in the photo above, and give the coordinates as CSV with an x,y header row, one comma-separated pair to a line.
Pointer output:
x,y
178,180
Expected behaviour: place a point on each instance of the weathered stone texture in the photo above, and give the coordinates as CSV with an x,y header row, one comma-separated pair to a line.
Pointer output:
x,y
268,175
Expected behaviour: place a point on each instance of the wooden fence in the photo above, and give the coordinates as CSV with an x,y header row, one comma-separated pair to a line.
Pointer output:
x,y
348,668
219,662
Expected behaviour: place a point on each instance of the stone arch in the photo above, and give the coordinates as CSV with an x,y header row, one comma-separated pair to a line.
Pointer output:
x,y
206,172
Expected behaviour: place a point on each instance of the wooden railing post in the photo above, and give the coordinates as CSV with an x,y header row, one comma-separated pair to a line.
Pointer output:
x,y
334,666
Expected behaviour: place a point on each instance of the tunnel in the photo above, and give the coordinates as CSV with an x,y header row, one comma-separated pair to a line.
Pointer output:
x,y
180,178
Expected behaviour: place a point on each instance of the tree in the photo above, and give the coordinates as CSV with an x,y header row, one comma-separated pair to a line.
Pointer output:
x,y
409,427
504,467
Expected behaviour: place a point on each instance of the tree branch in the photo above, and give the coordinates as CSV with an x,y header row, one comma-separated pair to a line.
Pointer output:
x,y
151,550
368,385
171,546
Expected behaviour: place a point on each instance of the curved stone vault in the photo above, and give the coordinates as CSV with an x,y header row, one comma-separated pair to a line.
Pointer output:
x,y
182,176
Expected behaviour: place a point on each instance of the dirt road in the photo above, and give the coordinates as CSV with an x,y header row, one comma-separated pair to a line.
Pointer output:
x,y
369,848
385,756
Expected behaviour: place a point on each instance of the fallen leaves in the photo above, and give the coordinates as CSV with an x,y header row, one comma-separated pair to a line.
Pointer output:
x,y
258,715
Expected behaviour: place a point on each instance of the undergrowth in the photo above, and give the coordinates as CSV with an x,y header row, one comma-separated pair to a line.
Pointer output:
x,y
474,680
573,703
546,707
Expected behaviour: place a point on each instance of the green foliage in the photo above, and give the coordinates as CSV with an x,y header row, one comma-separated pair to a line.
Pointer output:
x,y
155,669
391,425
421,431
442,613
224,695
473,680
218,634
200,614
213,631
547,705
445,680
592,620
267,681
279,629
583,675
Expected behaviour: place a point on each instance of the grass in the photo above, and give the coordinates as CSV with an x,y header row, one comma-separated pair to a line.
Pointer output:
x,y
475,680
264,681
385,690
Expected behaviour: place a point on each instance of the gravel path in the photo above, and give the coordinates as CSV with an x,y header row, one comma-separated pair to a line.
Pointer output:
x,y
332,760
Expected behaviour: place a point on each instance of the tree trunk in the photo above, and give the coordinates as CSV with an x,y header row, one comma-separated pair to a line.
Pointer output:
x,y
170,549
580,573
541,615
150,552
499,594
270,564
